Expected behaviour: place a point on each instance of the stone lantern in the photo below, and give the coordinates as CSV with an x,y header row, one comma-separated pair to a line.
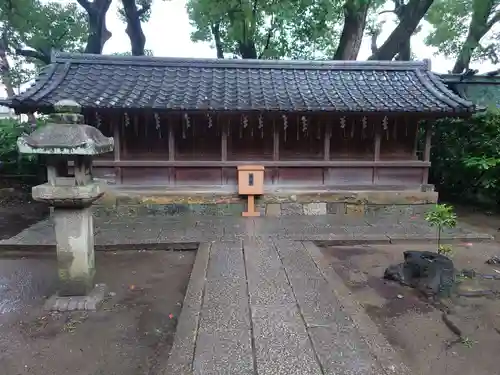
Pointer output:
x,y
66,139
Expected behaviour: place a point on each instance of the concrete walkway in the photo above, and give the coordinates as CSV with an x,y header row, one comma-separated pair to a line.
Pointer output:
x,y
264,306
262,299
129,232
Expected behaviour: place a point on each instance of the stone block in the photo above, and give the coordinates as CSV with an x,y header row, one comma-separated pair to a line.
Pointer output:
x,y
354,209
260,207
315,208
397,210
74,230
335,208
291,209
273,209
129,211
230,209
90,302
203,209
170,209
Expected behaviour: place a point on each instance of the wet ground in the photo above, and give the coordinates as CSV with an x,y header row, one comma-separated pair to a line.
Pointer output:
x,y
130,334
413,324
18,211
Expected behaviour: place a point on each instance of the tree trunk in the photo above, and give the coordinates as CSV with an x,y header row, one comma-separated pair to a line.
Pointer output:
x,y
134,26
217,39
42,56
98,33
7,82
247,49
411,16
5,68
478,27
352,33
404,53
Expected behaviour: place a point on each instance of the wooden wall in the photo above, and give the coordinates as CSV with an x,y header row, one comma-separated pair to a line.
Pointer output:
x,y
317,151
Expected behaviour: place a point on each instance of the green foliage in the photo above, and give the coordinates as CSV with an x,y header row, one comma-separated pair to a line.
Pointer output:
x,y
453,20
441,216
445,250
281,28
466,158
11,161
32,28
147,52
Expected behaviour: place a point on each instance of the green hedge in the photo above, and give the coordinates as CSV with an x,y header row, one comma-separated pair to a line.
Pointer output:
x,y
11,161
466,158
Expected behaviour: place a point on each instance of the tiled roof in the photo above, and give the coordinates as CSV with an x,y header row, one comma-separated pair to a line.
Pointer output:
x,y
97,81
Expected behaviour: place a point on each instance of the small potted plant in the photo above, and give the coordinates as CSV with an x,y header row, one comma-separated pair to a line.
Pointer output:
x,y
441,216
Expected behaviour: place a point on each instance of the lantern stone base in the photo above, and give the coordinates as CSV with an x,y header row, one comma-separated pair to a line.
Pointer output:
x,y
74,231
90,302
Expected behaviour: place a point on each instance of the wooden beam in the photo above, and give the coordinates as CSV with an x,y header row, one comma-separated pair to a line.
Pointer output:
x,y
223,150
266,163
171,141
276,151
415,142
376,150
116,125
171,149
376,147
328,136
427,152
276,141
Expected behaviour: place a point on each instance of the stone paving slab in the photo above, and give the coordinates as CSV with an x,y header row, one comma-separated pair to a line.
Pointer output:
x,y
386,356
257,316
183,231
282,344
180,360
224,344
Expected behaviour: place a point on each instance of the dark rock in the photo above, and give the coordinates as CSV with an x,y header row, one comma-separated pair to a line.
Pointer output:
x,y
429,272
494,260
470,273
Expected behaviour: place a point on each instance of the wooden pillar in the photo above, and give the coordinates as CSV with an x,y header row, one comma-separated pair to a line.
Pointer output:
x,y
326,151
171,148
225,127
116,125
415,143
328,135
171,141
427,152
223,151
276,150
376,151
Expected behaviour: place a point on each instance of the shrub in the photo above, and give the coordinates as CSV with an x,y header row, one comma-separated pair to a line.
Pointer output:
x,y
466,158
11,161
441,216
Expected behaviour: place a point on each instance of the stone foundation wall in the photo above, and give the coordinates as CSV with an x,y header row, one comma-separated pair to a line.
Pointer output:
x,y
376,203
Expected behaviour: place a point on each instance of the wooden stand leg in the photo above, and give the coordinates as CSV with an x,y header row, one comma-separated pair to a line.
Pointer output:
x,y
251,207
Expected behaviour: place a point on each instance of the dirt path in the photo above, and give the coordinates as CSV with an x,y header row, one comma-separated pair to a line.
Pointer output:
x,y
414,325
127,336
18,211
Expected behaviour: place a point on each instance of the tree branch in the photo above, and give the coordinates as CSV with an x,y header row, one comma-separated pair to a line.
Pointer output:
x,y
268,40
493,20
33,54
219,46
144,9
85,4
254,7
410,17
373,41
